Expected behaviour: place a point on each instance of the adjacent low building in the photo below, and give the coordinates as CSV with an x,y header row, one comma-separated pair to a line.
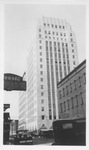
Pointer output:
x,y
72,93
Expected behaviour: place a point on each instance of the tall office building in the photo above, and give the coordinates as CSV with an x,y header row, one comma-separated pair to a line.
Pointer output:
x,y
51,57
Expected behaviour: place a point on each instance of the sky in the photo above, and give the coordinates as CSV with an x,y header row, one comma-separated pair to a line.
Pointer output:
x,y
19,24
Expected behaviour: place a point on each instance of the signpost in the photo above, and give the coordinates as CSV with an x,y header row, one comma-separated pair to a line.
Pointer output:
x,y
14,82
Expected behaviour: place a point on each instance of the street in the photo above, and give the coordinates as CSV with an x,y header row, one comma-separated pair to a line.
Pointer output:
x,y
43,141
40,141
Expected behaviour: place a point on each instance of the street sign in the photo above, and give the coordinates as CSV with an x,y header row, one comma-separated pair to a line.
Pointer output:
x,y
6,106
14,82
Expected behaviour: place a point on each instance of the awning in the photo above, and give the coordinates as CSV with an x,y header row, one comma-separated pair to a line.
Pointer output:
x,y
43,128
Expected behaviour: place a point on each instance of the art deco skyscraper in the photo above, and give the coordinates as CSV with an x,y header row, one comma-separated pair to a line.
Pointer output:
x,y
52,56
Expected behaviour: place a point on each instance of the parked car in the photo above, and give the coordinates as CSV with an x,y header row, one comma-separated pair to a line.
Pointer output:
x,y
23,137
70,131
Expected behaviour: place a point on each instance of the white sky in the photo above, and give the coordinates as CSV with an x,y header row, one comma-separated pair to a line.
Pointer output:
x,y
19,27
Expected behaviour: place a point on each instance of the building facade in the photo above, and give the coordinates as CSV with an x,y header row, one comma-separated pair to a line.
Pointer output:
x,y
22,107
52,55
72,93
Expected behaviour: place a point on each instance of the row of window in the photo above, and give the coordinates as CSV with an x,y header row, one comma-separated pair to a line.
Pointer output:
x,y
54,26
40,36
56,38
72,103
50,117
66,44
73,86
55,33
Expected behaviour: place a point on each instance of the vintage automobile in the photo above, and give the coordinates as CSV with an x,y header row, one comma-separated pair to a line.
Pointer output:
x,y
23,137
70,132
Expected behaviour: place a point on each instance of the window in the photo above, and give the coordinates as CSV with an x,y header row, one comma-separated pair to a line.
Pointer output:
x,y
39,30
50,117
41,66
66,45
55,26
56,33
42,93
75,84
52,25
64,106
73,56
61,107
70,34
63,92
41,79
71,40
41,86
79,81
70,87
73,50
81,98
74,62
76,100
72,45
84,78
41,59
39,35
64,34
72,102
54,117
40,53
40,47
48,25
49,32
42,117
42,101
41,72
63,27
60,96
44,24
42,108
59,26
68,104
67,90
60,34
45,32
40,41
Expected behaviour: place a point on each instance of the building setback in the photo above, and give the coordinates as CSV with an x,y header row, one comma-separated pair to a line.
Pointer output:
x,y
52,56
72,93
